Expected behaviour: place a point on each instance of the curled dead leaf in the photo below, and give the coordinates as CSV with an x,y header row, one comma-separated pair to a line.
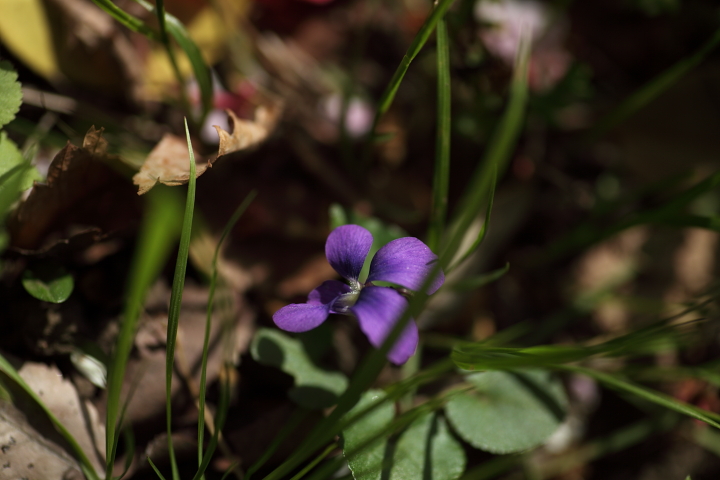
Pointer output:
x,y
247,133
168,162
82,192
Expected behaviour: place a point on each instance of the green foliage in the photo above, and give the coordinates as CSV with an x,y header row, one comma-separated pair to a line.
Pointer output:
x,y
508,411
48,282
158,232
176,298
478,281
368,463
13,163
314,388
10,93
427,450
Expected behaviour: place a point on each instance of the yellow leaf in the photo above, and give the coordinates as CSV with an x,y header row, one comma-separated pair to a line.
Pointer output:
x,y
25,31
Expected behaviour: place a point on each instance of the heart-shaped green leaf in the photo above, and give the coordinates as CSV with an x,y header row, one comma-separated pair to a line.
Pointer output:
x,y
48,282
509,411
428,450
314,387
366,460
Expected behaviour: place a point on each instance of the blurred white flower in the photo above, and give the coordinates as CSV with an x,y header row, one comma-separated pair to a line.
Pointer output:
x,y
358,118
507,22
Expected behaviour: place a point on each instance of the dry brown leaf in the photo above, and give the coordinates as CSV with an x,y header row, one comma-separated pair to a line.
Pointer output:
x,y
78,416
247,133
168,163
31,446
82,191
28,454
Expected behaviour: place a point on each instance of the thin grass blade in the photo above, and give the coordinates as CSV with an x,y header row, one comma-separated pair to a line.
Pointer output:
x,y
176,300
208,320
157,234
441,177
127,20
653,396
7,368
653,89
415,47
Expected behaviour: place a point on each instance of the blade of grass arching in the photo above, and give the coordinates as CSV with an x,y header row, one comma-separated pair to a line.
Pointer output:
x,y
127,20
441,175
475,282
314,462
483,230
129,449
201,70
127,432
298,416
155,469
222,410
229,470
160,13
176,300
495,159
669,213
653,396
418,42
208,320
653,88
85,464
157,234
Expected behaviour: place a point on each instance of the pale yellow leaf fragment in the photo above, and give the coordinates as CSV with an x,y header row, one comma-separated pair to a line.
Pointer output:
x,y
168,163
247,133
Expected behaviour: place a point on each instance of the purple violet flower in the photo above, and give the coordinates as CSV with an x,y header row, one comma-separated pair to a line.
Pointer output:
x,y
406,262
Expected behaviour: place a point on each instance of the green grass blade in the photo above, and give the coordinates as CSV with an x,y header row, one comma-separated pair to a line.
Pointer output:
x,y
176,300
201,70
653,396
415,47
495,160
155,469
208,320
85,464
478,281
127,20
157,234
298,416
219,419
651,90
441,177
314,462
483,230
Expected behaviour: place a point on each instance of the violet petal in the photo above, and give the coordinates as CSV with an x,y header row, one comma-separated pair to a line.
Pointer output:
x,y
346,249
377,310
327,292
301,317
407,262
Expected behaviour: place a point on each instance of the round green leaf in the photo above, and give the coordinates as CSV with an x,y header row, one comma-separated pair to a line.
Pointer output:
x,y
14,170
314,387
509,411
10,93
48,282
365,460
428,450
